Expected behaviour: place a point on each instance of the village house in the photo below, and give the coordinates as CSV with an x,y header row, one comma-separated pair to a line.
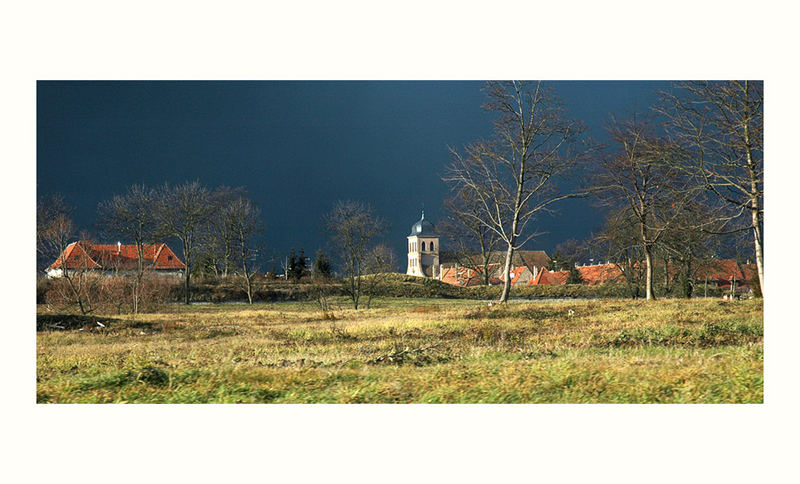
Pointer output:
x,y
591,275
548,277
468,271
115,258
727,274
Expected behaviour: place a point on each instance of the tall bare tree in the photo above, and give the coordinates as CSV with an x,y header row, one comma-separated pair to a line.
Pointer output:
x,y
244,221
353,228
54,232
132,216
183,212
515,174
218,251
720,127
642,179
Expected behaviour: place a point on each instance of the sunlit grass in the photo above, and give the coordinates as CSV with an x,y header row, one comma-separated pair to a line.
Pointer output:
x,y
413,350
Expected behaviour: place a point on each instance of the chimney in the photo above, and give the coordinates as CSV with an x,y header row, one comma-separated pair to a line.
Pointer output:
x,y
119,247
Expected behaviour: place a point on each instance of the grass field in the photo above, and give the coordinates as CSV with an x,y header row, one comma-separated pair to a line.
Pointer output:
x,y
410,350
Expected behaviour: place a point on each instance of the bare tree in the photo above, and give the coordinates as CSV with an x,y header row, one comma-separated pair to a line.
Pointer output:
x,y
642,179
689,245
719,126
217,252
54,227
380,262
514,175
79,279
54,233
322,281
132,216
465,232
244,222
353,228
183,212
572,251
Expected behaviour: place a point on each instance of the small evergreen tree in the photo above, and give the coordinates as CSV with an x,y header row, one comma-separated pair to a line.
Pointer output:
x,y
301,268
322,265
291,266
574,276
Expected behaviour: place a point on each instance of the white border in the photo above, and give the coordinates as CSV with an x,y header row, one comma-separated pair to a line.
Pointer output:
x,y
408,40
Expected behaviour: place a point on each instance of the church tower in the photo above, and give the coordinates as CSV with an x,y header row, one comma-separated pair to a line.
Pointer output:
x,y
423,250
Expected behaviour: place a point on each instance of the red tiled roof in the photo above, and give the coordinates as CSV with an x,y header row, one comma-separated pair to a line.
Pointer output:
x,y
724,271
76,257
600,274
471,276
463,276
547,277
84,254
531,258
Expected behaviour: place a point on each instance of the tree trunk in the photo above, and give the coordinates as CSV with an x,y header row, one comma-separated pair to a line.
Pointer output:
x,y
249,281
507,272
759,241
755,207
186,271
650,293
137,286
186,285
485,256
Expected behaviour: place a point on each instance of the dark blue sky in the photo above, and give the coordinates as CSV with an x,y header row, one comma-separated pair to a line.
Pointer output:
x,y
296,146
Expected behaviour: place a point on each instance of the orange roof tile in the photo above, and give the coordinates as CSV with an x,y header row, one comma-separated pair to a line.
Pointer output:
x,y
600,274
547,277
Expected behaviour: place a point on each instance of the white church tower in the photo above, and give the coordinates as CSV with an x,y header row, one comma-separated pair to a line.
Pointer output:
x,y
423,250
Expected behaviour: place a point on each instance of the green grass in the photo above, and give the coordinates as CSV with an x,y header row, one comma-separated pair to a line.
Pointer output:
x,y
411,350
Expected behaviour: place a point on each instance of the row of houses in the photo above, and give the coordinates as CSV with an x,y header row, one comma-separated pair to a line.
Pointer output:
x,y
530,268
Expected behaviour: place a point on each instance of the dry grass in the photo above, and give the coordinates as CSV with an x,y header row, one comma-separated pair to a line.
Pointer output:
x,y
406,350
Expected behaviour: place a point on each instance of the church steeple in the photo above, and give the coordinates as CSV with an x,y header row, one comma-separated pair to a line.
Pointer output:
x,y
423,249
